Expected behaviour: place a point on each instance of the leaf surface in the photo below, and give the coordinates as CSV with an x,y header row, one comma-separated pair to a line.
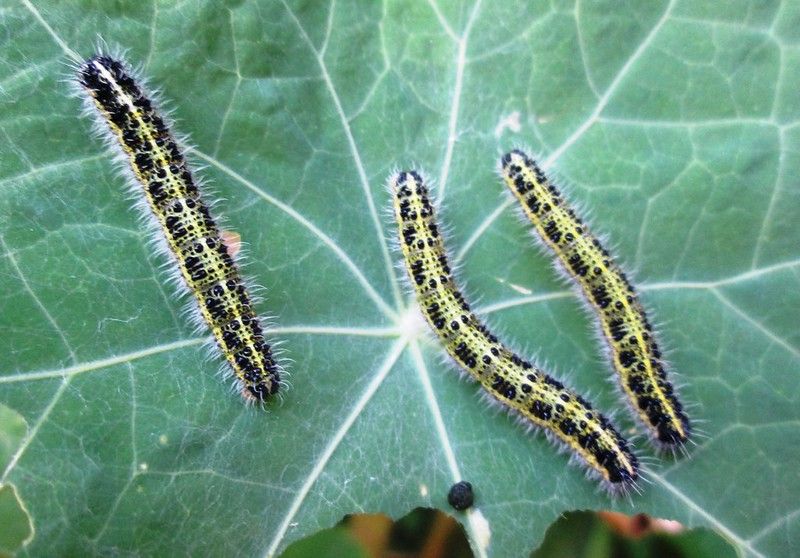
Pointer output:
x,y
674,122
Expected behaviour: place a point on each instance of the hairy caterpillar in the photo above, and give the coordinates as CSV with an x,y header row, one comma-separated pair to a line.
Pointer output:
x,y
627,331
191,233
512,381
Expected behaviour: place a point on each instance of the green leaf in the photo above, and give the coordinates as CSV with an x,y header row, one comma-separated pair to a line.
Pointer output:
x,y
328,543
13,431
675,122
16,529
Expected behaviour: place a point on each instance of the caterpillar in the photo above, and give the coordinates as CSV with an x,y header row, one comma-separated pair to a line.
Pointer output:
x,y
535,396
628,333
191,234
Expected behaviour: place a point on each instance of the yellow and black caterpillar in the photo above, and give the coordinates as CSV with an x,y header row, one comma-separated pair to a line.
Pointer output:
x,y
629,334
191,233
511,380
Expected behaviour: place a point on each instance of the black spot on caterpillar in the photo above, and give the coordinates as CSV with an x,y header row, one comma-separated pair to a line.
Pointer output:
x,y
191,234
629,335
514,382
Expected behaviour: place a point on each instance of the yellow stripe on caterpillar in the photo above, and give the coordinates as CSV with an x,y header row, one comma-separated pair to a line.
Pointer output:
x,y
191,234
511,380
636,357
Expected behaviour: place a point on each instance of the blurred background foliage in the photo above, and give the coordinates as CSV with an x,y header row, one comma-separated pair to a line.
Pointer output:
x,y
430,533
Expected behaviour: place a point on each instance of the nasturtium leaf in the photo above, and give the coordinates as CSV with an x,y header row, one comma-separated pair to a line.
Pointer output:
x,y
675,123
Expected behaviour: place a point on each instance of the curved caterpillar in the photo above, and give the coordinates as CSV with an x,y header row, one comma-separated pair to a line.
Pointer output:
x,y
191,233
512,381
627,331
